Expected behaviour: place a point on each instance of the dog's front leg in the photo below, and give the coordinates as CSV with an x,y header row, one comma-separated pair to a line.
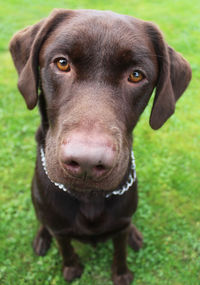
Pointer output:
x,y
71,265
121,275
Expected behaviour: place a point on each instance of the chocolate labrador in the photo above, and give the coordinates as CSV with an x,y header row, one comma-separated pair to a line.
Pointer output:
x,y
95,72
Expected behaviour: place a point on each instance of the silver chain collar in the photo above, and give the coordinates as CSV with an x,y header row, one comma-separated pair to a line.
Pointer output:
x,y
121,191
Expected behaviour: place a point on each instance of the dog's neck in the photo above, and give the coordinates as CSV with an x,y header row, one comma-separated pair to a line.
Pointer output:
x,y
123,189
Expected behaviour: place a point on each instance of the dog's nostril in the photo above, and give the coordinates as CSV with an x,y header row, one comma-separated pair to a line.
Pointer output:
x,y
100,167
73,164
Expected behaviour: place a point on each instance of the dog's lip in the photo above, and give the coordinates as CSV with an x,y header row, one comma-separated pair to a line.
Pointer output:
x,y
78,184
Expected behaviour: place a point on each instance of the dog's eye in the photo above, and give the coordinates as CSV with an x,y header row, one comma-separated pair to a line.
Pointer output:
x,y
136,76
62,64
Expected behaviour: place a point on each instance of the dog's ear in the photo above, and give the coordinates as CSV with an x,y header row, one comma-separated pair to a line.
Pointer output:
x,y
25,47
173,78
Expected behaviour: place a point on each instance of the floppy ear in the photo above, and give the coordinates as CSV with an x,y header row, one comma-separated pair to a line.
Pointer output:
x,y
173,78
25,47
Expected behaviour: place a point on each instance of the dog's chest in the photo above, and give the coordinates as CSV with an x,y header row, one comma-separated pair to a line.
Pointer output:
x,y
89,219
91,216
97,218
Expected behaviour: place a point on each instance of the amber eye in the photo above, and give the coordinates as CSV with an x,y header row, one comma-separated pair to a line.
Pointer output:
x,y
63,64
136,76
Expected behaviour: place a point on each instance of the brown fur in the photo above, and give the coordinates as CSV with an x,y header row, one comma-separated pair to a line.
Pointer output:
x,y
96,99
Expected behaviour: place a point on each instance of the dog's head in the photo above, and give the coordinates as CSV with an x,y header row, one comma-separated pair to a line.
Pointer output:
x,y
96,71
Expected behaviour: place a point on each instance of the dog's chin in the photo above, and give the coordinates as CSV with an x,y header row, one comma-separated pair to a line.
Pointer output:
x,y
106,184
86,185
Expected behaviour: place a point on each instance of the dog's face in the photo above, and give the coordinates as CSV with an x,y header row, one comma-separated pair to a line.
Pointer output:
x,y
97,71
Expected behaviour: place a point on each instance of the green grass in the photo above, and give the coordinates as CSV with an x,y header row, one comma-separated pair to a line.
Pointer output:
x,y
168,163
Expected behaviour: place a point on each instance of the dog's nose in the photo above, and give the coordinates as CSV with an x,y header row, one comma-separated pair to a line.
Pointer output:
x,y
88,156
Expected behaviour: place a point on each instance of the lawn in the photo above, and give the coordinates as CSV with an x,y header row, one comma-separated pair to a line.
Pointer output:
x,y
168,163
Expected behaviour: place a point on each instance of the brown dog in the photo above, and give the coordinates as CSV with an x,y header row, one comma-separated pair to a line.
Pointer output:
x,y
96,72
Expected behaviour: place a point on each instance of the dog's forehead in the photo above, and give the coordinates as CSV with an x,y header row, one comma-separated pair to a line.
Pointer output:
x,y
91,21
96,30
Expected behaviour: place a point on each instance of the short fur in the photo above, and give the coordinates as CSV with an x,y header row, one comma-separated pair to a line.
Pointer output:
x,y
95,98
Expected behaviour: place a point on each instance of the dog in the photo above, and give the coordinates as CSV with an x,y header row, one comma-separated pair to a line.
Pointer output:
x,y
92,74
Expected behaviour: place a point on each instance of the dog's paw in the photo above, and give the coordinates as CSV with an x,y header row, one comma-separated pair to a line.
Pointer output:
x,y
72,272
135,239
42,242
123,279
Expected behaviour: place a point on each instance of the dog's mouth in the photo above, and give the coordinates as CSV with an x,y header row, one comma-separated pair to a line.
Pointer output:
x,y
87,186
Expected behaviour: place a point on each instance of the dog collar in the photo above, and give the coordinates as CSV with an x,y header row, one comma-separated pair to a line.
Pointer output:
x,y
131,178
